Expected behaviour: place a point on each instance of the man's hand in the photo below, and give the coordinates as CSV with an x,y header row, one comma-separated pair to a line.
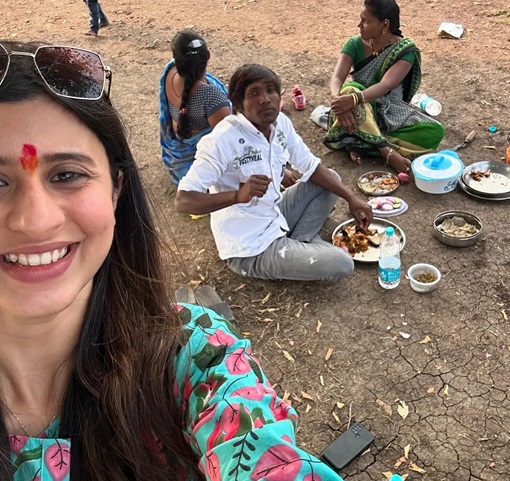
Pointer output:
x,y
255,186
289,178
361,212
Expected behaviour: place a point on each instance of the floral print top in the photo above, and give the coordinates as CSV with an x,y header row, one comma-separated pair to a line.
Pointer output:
x,y
233,419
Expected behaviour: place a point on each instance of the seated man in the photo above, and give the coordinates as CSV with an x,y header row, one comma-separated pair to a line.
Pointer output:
x,y
260,231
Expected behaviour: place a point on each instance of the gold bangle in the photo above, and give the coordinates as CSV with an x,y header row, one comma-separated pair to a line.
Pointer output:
x,y
362,97
354,99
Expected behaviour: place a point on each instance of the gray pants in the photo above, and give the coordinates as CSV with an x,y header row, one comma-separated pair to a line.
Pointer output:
x,y
301,255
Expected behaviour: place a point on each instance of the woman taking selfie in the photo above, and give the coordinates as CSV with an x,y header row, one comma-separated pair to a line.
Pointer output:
x,y
99,381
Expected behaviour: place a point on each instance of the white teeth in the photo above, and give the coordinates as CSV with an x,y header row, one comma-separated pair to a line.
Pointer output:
x,y
34,260
46,259
37,259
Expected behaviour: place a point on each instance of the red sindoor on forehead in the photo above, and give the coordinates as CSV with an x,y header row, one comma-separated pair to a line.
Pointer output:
x,y
28,159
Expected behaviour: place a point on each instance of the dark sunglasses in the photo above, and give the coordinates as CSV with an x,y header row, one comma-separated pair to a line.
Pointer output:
x,y
70,72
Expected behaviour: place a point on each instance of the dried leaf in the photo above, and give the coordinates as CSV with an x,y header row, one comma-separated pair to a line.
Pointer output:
x,y
299,312
505,317
307,396
238,288
387,474
386,407
335,415
405,476
445,390
201,251
339,405
328,354
263,301
308,408
403,409
406,451
426,340
286,395
405,335
318,328
365,452
291,342
278,344
297,399
430,390
415,467
288,356
399,462
321,380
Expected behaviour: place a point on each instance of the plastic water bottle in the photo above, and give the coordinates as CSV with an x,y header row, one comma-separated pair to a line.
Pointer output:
x,y
389,259
427,104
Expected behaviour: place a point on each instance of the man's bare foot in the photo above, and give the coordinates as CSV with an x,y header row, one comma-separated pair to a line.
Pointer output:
x,y
355,157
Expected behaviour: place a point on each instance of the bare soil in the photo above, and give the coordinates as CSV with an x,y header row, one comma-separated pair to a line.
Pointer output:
x,y
451,372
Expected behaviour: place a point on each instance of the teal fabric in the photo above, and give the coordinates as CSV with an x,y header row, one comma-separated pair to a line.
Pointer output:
x,y
231,416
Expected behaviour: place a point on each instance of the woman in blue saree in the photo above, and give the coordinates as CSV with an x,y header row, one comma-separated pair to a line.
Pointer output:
x,y
371,115
192,102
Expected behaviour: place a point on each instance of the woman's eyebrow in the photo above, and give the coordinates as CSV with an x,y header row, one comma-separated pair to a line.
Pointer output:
x,y
51,158
63,156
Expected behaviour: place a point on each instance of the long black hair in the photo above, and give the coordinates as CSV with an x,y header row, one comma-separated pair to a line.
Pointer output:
x,y
120,395
191,56
386,10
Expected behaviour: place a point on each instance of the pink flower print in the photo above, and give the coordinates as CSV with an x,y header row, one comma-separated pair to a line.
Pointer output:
x,y
281,410
221,338
237,362
57,459
278,463
312,477
216,437
212,466
287,439
17,443
255,393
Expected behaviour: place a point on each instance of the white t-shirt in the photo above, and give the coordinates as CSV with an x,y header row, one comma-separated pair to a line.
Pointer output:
x,y
233,151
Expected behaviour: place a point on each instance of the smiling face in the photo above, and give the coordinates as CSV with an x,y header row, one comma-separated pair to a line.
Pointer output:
x,y
369,26
261,105
57,206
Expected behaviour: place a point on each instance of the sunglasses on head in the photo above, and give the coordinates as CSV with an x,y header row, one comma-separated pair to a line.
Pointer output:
x,y
70,72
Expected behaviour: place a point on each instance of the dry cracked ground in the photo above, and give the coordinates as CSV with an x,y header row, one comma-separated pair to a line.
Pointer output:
x,y
427,374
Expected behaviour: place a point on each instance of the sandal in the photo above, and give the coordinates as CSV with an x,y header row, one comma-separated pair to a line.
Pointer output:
x,y
298,97
208,297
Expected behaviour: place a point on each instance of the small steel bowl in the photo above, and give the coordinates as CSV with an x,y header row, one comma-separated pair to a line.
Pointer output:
x,y
453,241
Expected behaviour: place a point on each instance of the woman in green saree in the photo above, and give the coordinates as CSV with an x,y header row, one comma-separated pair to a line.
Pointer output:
x,y
371,115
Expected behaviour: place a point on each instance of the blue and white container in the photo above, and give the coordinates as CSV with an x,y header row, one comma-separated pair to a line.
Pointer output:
x,y
437,173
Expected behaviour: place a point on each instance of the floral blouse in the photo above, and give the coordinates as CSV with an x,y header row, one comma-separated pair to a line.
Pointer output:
x,y
233,419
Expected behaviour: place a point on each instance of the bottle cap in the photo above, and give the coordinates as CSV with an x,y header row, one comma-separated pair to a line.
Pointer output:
x,y
493,129
389,231
396,477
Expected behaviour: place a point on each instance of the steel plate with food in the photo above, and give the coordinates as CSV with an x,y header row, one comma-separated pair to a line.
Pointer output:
x,y
378,183
364,246
488,179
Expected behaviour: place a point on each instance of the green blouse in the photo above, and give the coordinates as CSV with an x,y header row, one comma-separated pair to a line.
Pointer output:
x,y
354,48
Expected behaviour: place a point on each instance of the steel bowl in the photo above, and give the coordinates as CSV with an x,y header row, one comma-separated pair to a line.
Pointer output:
x,y
457,241
495,167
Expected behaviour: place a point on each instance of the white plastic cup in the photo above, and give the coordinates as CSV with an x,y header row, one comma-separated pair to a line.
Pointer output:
x,y
427,104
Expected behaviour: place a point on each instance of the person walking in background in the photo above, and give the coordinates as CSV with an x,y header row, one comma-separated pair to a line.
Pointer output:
x,y
97,17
